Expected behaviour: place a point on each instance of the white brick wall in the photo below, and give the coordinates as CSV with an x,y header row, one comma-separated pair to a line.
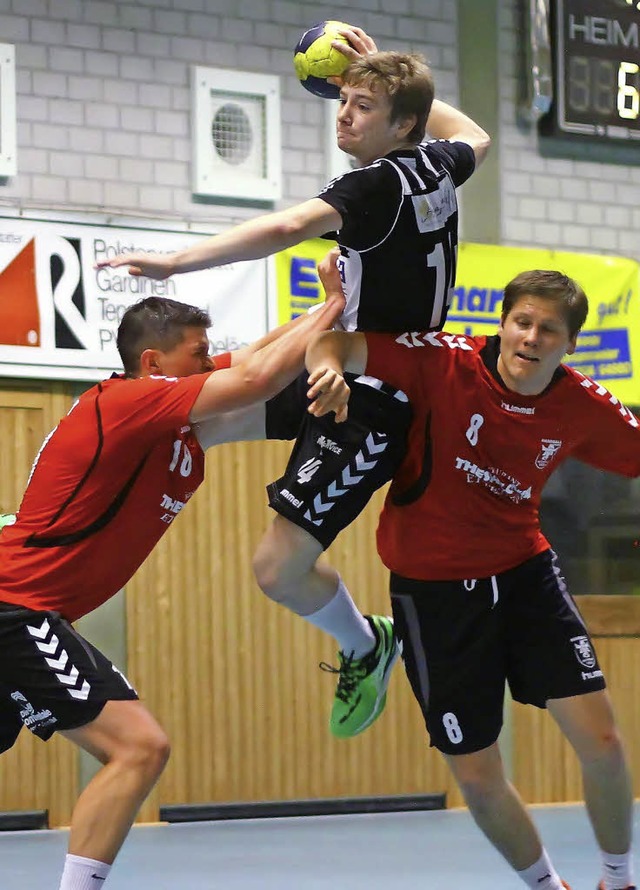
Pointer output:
x,y
585,206
103,93
103,109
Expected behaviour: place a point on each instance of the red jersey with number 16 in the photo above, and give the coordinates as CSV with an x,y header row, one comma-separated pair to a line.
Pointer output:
x,y
464,503
105,487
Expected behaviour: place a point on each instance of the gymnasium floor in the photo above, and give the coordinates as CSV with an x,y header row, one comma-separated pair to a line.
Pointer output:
x,y
437,850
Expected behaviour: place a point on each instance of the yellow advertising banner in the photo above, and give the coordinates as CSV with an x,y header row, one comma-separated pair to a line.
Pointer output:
x,y
297,284
608,346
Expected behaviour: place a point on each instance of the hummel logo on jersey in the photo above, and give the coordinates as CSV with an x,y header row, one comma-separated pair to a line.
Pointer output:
x,y
286,494
548,450
517,409
591,675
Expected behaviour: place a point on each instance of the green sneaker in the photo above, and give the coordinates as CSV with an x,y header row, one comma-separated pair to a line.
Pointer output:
x,y
361,693
6,519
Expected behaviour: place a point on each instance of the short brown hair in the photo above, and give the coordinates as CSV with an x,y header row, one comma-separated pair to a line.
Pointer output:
x,y
155,323
404,77
557,287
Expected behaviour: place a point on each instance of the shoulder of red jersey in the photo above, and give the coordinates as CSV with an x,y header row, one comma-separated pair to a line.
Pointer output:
x,y
598,395
154,402
441,340
127,385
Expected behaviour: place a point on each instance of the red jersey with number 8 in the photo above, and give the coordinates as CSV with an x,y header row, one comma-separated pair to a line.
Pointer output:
x,y
464,503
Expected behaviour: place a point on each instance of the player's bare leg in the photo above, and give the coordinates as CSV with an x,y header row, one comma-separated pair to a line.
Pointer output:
x,y
287,569
589,724
500,814
134,750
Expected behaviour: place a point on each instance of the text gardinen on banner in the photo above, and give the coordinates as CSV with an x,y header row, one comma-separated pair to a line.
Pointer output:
x,y
608,347
59,314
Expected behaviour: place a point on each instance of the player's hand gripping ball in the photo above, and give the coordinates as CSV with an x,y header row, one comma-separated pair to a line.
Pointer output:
x,y
315,59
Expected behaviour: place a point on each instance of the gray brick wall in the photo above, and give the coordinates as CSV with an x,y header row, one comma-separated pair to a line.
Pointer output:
x,y
103,93
104,99
568,204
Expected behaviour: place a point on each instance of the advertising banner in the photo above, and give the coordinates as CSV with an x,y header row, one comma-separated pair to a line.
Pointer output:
x,y
59,314
608,346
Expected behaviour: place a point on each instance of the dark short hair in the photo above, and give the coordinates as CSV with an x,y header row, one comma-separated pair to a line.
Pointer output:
x,y
557,287
404,77
155,323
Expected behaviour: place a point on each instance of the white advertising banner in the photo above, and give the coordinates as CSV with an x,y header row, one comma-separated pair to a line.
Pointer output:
x,y
59,314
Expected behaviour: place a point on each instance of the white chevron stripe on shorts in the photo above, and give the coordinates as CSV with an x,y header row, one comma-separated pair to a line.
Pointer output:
x,y
366,459
48,643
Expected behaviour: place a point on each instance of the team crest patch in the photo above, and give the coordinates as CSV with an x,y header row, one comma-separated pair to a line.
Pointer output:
x,y
583,651
548,450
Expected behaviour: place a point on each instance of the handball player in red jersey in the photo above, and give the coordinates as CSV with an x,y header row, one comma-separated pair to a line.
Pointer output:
x,y
478,596
105,486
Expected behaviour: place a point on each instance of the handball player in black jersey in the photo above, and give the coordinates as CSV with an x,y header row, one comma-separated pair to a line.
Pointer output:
x,y
395,218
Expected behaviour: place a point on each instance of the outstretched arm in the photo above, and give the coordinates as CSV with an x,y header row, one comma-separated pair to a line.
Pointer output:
x,y
251,240
446,122
243,353
269,369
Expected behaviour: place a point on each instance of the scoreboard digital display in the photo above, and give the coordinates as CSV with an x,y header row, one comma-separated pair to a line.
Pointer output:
x,y
596,62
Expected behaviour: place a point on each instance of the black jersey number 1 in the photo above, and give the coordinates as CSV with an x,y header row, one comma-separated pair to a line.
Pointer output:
x,y
442,259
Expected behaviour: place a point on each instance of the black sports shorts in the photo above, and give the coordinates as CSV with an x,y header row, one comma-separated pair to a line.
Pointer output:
x,y
463,639
286,411
51,678
334,468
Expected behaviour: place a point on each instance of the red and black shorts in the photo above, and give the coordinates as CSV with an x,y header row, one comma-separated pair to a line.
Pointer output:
x,y
335,468
51,678
462,640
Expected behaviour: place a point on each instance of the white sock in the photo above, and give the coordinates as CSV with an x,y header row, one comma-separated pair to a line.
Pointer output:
x,y
341,619
541,875
617,870
83,874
